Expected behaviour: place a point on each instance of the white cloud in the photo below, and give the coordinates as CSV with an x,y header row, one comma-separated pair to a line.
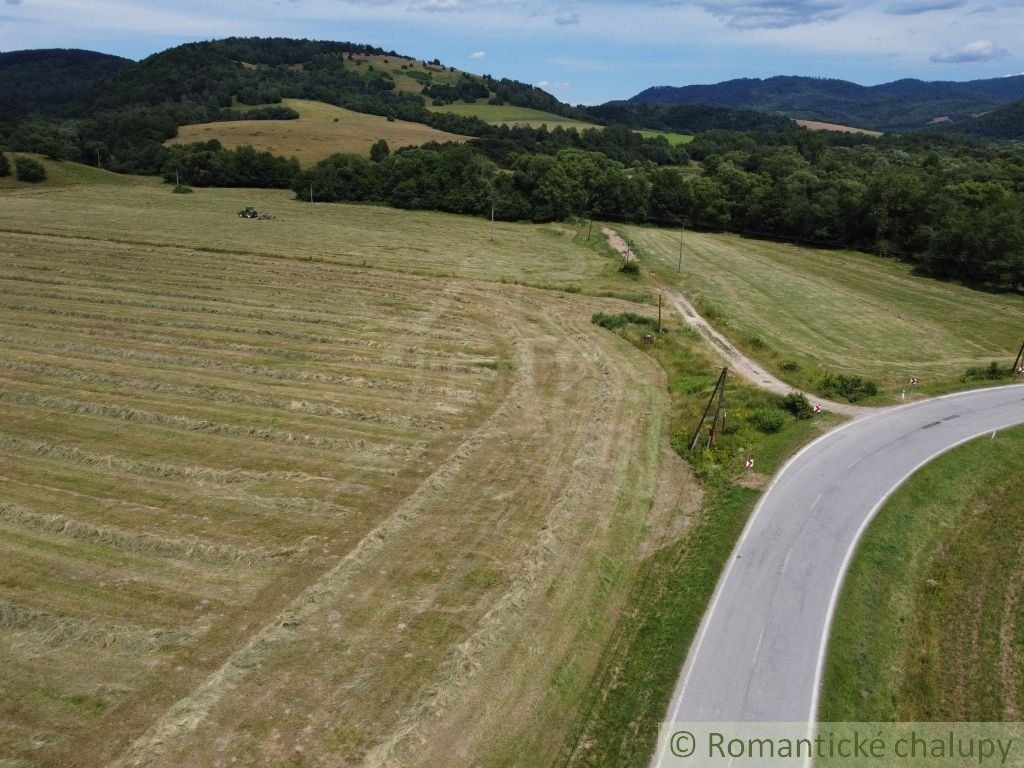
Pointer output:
x,y
477,55
914,7
567,19
979,50
774,14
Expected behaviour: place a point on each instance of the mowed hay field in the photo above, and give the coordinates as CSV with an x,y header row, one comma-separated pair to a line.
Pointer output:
x,y
844,312
508,114
320,131
259,510
427,243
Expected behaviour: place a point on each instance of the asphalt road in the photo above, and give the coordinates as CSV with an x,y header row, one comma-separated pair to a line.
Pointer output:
x,y
759,653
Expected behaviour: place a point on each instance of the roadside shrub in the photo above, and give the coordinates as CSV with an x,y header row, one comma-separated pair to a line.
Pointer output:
x,y
630,268
5,165
182,189
611,322
767,420
790,366
28,169
798,405
988,372
853,388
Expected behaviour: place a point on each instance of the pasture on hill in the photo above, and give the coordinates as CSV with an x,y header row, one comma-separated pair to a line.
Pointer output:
x,y
803,311
260,505
507,114
320,131
63,174
410,75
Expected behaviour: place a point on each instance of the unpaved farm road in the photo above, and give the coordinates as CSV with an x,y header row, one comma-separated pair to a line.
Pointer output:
x,y
760,651
736,360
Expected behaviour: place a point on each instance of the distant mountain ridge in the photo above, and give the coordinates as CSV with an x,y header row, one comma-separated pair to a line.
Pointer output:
x,y
901,105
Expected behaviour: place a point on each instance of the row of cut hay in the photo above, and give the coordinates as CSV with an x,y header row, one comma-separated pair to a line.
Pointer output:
x,y
201,393
171,270
190,712
181,263
396,304
349,323
300,355
252,371
101,462
470,352
54,630
139,542
184,423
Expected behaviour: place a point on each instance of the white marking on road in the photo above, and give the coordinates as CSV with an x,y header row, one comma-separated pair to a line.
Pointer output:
x,y
837,588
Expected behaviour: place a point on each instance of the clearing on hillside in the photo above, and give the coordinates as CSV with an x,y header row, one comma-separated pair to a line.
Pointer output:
x,y
510,115
320,131
802,311
271,507
816,125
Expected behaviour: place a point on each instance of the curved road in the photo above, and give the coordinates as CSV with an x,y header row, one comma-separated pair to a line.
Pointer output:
x,y
759,653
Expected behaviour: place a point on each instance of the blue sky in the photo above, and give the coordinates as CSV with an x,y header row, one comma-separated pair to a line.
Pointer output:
x,y
583,51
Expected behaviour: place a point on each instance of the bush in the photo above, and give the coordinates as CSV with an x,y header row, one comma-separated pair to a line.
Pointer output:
x,y
28,169
790,365
611,322
5,166
798,405
182,189
767,420
853,388
630,268
990,372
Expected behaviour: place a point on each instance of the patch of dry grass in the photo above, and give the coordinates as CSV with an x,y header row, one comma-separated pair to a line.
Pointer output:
x,y
321,130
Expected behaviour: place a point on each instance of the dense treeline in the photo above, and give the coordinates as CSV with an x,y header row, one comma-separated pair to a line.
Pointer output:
x,y
208,164
954,207
688,118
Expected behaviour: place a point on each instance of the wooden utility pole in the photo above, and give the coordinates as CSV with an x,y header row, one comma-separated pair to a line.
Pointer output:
x,y
590,229
717,395
492,221
681,230
659,313
310,194
1018,361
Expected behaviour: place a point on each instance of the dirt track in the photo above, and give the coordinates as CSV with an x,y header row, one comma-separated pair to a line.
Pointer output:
x,y
736,360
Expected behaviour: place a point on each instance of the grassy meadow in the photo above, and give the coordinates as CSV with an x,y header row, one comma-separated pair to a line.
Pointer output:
x,y
803,312
508,114
675,139
929,626
262,504
320,131
378,237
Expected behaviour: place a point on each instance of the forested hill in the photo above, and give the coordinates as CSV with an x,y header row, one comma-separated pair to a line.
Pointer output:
x,y
48,82
1003,123
901,105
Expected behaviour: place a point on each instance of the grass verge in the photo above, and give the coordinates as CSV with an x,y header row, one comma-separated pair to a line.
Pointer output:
x,y
627,699
929,626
